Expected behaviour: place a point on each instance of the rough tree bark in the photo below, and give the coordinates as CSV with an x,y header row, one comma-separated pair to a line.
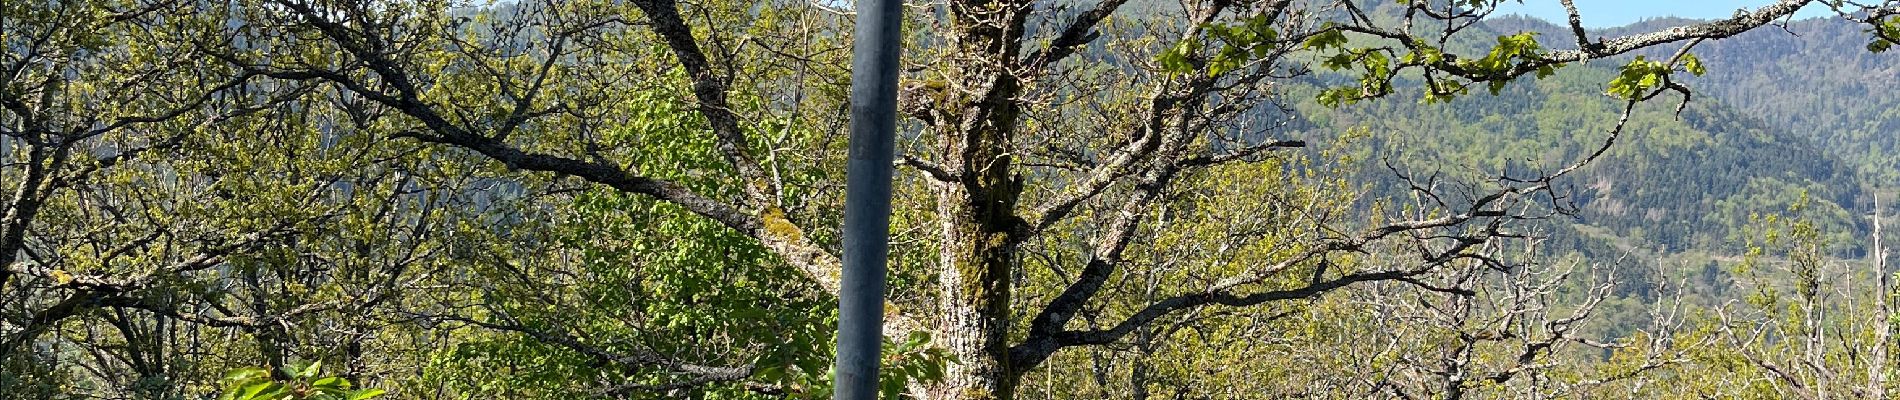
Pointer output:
x,y
976,130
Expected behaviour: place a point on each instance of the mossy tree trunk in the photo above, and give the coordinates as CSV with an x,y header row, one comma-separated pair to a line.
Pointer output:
x,y
980,228
974,278
980,231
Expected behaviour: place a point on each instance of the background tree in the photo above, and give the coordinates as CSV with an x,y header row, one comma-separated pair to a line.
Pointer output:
x,y
169,217
1088,176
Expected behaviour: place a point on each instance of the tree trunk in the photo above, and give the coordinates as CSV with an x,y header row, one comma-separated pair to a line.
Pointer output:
x,y
979,239
1883,331
974,284
974,310
978,209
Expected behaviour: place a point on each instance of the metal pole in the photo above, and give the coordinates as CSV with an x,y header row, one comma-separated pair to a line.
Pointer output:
x,y
867,210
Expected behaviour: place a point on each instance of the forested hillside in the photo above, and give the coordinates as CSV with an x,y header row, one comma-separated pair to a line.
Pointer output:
x,y
1770,121
1198,199
1684,181
1781,119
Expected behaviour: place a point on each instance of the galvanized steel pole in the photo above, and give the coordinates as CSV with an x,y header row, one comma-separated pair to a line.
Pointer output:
x,y
867,212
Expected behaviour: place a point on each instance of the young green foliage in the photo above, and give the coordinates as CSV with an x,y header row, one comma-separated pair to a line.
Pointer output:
x,y
1885,33
1642,75
304,383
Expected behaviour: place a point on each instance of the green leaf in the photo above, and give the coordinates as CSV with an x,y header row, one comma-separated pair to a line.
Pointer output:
x,y
242,375
365,394
1337,61
264,391
309,370
1328,38
331,382
1175,59
1637,77
1693,65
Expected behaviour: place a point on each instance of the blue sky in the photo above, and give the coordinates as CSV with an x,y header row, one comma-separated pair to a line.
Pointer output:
x,y
1607,13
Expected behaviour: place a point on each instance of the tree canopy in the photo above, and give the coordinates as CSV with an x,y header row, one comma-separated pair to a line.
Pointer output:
x,y
1113,198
